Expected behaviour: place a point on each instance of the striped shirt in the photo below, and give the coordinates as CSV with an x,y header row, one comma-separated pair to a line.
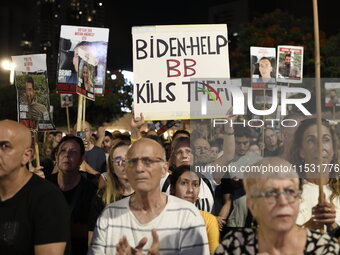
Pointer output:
x,y
180,228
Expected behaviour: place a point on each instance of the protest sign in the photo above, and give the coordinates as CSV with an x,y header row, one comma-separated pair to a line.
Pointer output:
x,y
262,66
332,94
289,64
90,39
172,68
32,92
87,65
66,100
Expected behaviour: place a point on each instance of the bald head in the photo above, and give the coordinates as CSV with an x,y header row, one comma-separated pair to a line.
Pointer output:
x,y
147,142
17,131
15,148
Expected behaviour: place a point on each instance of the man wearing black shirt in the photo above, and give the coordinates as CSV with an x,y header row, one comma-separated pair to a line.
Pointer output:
x,y
34,218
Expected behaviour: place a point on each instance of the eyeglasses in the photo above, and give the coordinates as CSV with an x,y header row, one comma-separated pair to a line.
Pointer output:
x,y
273,196
119,161
146,161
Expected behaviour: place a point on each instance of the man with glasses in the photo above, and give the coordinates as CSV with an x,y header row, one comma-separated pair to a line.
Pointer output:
x,y
149,219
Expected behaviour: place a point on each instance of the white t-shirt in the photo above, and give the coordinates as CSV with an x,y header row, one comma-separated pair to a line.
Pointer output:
x,y
180,229
309,199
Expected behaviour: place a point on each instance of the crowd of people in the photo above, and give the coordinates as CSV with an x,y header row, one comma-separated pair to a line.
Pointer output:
x,y
139,193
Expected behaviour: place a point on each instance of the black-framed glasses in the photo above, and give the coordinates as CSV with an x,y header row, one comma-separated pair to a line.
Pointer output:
x,y
272,196
119,161
146,161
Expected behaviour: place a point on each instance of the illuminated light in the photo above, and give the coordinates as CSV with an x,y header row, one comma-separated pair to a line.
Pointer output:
x,y
9,66
56,15
113,76
80,12
128,75
100,4
108,71
89,19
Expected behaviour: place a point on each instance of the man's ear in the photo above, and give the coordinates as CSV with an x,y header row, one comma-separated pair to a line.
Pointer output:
x,y
26,156
165,169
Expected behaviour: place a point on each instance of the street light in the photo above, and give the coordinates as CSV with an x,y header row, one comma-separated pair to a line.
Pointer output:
x,y
9,66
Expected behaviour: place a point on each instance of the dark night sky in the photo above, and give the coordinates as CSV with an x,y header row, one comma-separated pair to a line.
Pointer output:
x,y
123,15
120,16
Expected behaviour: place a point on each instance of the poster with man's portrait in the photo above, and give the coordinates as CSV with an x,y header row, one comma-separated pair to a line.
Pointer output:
x,y
289,64
262,66
87,67
32,92
93,41
66,100
332,90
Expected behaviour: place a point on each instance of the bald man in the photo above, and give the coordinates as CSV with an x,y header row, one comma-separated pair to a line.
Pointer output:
x,y
34,217
149,219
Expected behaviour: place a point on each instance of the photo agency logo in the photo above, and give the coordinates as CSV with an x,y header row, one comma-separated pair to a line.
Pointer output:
x,y
212,98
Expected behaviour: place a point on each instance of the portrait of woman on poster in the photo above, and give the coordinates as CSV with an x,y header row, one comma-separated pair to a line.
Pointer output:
x,y
86,78
266,70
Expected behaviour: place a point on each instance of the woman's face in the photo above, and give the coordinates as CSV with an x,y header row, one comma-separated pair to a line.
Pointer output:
x,y
86,74
309,148
275,214
265,68
188,186
119,159
183,156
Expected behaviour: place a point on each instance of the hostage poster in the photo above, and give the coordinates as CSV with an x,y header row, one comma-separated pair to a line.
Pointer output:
x,y
32,92
94,42
289,64
176,68
87,66
263,69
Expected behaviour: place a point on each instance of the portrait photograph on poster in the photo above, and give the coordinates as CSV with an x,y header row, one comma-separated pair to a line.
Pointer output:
x,y
263,69
289,64
66,100
93,41
32,92
87,66
332,92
